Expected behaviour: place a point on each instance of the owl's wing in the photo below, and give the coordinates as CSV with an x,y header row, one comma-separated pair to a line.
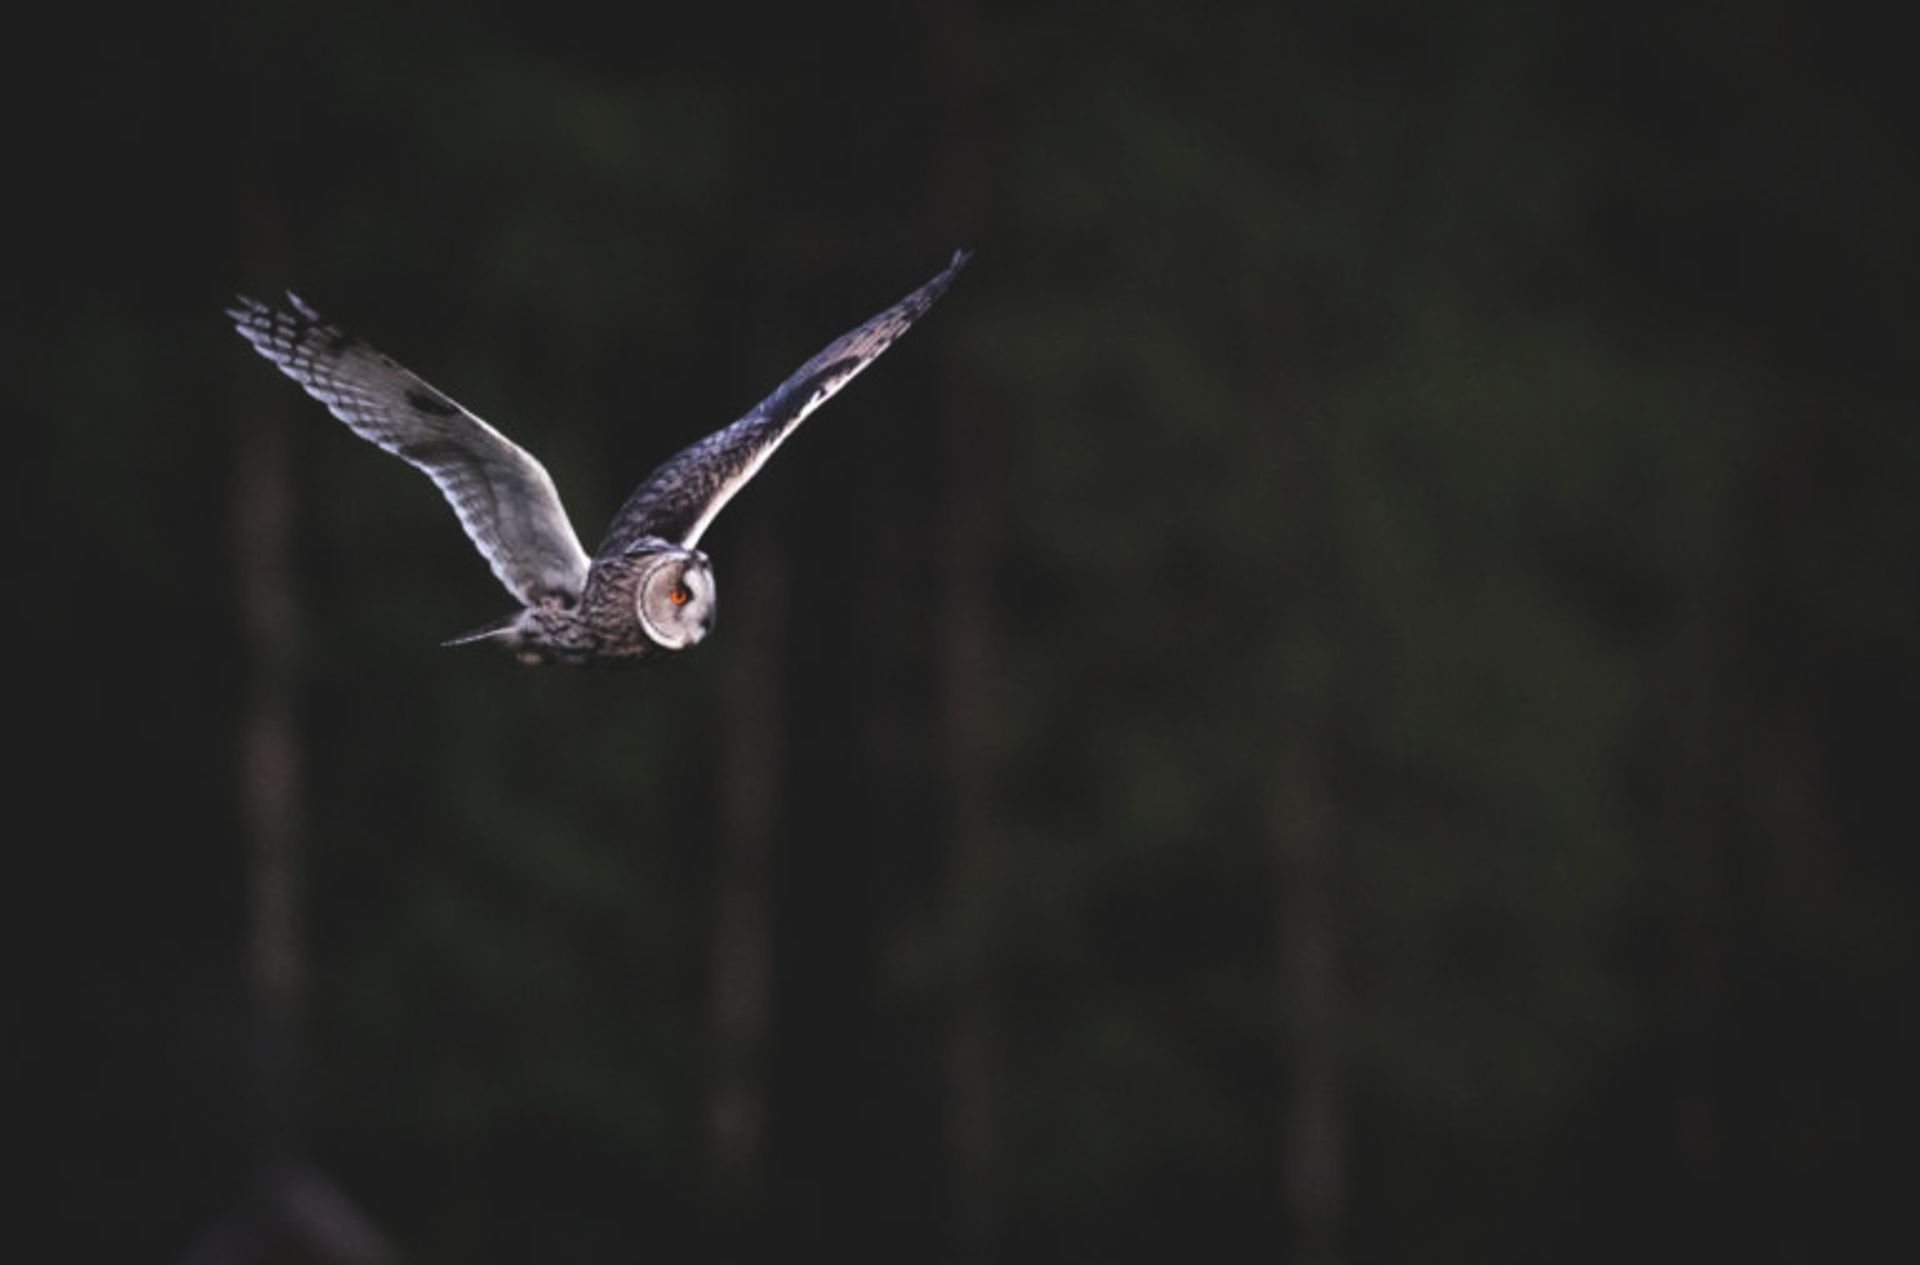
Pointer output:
x,y
680,499
505,499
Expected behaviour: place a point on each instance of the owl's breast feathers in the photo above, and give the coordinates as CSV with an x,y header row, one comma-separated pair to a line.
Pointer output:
x,y
607,614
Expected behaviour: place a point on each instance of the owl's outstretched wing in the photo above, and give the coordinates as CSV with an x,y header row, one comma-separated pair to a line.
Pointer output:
x,y
680,499
505,499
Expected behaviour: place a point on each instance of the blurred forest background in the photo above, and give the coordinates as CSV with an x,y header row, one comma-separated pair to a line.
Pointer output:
x,y
1347,696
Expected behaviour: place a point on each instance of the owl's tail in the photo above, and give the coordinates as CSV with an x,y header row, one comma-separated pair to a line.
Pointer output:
x,y
498,630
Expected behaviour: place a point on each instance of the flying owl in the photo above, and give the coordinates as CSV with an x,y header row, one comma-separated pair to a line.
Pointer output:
x,y
648,590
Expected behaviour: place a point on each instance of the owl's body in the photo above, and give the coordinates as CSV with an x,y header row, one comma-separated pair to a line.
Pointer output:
x,y
610,623
648,591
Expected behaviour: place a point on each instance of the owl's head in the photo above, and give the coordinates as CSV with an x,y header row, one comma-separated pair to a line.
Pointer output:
x,y
674,598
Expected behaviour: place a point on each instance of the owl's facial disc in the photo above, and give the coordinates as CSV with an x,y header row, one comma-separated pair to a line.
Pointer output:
x,y
674,599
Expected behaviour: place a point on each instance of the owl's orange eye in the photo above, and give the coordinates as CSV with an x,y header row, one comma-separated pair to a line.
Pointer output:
x,y
679,594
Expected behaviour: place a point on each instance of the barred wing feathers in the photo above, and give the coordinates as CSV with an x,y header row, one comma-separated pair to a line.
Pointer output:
x,y
504,497
679,500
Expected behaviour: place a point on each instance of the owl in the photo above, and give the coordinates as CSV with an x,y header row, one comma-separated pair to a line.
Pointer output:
x,y
648,590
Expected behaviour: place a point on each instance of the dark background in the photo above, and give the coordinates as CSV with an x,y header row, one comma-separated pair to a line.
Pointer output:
x,y
1346,696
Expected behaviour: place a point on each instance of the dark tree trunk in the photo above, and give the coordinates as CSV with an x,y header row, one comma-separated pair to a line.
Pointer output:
x,y
1695,805
1314,1128
974,1063
270,766
973,1056
292,1212
741,956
